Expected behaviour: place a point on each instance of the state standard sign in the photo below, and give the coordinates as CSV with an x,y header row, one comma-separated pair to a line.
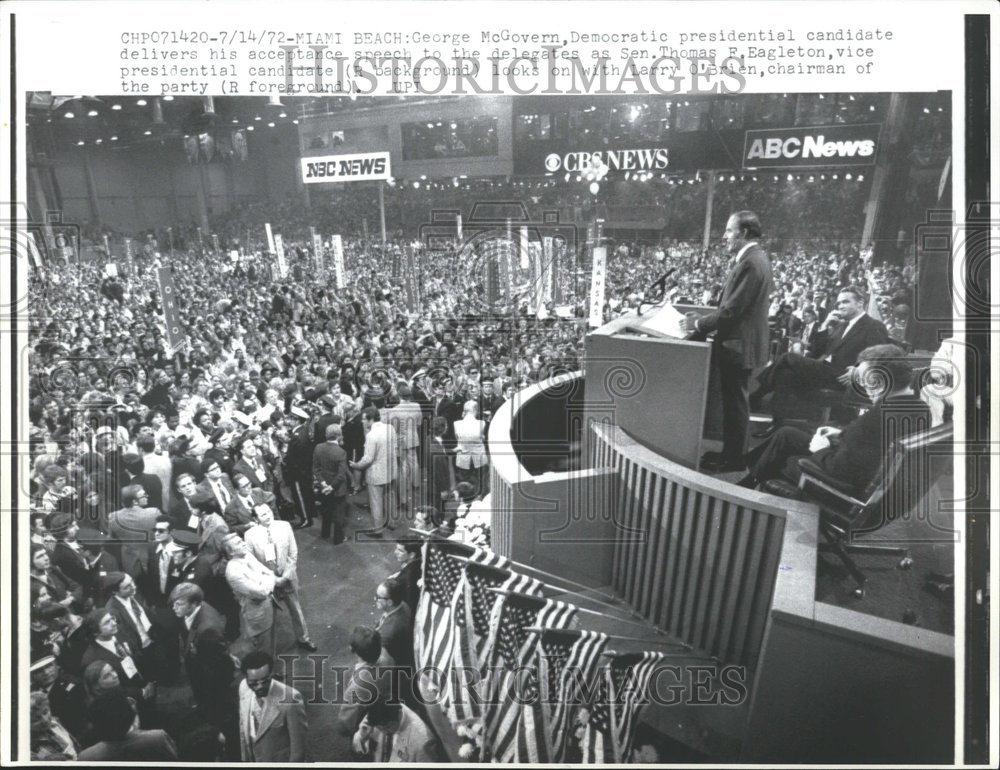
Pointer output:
x,y
360,167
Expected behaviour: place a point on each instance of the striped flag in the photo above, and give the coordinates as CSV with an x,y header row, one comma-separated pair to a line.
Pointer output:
x,y
434,626
512,730
568,669
474,607
610,721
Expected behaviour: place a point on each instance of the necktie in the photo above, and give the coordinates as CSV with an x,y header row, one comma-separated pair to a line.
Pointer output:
x,y
272,563
164,569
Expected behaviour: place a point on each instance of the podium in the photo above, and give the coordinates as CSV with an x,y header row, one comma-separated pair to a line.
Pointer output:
x,y
662,391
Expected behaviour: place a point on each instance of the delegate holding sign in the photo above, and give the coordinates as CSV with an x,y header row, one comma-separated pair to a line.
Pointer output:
x,y
362,167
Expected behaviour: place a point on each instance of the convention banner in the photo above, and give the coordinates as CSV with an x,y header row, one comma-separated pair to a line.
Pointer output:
x,y
338,261
280,255
270,237
597,274
176,338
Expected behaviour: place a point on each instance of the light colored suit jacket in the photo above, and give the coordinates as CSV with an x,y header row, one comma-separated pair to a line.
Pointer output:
x,y
381,454
133,529
161,467
281,733
405,418
286,549
253,585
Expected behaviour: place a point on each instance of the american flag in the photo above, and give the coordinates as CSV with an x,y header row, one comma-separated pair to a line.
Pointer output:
x,y
614,713
568,668
434,628
474,608
512,731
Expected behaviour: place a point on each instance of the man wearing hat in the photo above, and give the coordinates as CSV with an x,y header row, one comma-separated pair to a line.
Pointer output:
x,y
298,466
66,693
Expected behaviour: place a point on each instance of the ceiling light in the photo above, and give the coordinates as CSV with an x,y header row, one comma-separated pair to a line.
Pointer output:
x,y
147,132
236,120
282,115
296,122
249,128
116,106
70,115
92,114
168,98
271,124
114,139
257,117
80,143
98,141
141,102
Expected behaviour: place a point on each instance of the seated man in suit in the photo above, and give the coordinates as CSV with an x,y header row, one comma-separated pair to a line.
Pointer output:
x,y
273,721
855,453
846,331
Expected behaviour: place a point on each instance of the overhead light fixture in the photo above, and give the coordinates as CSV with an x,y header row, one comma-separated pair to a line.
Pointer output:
x,y
295,121
147,132
282,115
141,102
92,114
114,139
116,107
249,128
236,120
256,117
70,115
168,98
98,141
270,124
81,143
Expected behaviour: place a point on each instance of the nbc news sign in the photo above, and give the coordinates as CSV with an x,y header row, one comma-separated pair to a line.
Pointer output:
x,y
811,146
362,167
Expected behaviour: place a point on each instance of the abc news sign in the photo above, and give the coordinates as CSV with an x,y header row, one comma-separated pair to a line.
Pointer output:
x,y
811,146
362,167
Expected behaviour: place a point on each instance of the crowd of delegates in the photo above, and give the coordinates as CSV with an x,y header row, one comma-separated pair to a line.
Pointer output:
x,y
166,485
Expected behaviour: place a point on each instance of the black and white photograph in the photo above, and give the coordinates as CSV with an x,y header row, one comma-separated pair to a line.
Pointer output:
x,y
524,428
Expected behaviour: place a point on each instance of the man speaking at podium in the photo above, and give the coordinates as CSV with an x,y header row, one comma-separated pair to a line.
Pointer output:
x,y
742,337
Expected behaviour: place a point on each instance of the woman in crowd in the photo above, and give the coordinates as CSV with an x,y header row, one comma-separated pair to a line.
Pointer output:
x,y
50,741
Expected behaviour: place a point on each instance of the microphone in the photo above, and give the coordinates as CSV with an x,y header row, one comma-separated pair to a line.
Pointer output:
x,y
661,282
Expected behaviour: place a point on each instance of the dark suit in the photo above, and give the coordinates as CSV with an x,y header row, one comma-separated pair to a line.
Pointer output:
x,y
131,685
330,467
442,473
73,565
742,341
451,410
396,631
298,471
242,466
858,452
206,490
153,486
209,667
128,632
409,574
180,511
793,377
239,516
